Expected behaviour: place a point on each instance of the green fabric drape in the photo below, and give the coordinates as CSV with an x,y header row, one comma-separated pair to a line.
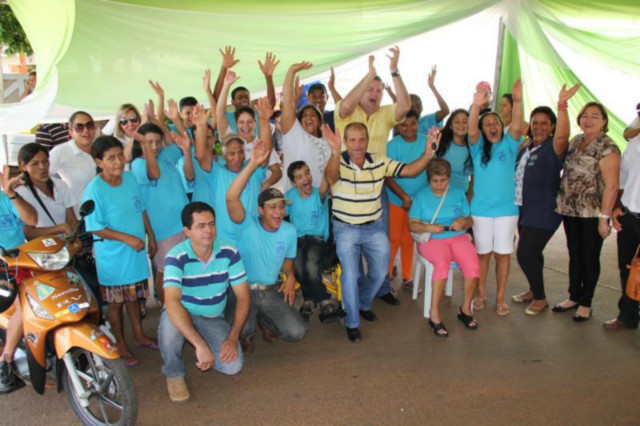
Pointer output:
x,y
510,66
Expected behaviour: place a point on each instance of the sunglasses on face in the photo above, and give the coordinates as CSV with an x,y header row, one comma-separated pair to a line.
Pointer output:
x,y
79,127
126,120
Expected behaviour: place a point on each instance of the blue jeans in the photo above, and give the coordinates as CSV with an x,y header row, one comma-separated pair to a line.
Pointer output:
x,y
269,308
213,330
352,242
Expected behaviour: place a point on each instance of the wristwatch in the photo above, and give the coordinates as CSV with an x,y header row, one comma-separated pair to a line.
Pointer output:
x,y
395,73
15,196
603,216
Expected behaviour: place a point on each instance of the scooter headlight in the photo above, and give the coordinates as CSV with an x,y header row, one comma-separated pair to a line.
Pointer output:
x,y
38,309
52,261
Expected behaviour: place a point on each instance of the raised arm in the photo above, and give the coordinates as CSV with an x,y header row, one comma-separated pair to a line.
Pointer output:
x,y
269,66
444,108
391,93
332,169
155,86
265,111
228,62
203,150
288,107
174,115
153,168
221,116
332,87
183,142
349,103
480,98
206,85
25,210
259,154
561,135
403,103
433,141
515,130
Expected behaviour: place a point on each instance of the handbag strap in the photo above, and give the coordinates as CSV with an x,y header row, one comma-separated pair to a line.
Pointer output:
x,y
37,197
433,219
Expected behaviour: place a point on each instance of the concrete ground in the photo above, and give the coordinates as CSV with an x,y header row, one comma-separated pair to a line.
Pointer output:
x,y
513,370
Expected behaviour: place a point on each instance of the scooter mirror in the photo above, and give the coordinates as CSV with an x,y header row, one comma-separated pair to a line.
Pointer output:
x,y
87,208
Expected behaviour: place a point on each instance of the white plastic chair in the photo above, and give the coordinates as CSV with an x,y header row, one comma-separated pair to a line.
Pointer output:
x,y
420,263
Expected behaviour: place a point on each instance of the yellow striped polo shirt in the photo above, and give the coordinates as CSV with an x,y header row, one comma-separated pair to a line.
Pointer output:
x,y
356,194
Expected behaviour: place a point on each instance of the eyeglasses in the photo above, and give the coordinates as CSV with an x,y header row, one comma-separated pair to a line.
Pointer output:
x,y
79,127
132,120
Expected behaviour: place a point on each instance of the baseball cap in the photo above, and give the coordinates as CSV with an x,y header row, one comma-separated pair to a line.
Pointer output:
x,y
271,196
315,86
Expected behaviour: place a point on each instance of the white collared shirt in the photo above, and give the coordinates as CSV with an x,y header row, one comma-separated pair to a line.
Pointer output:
x,y
630,171
74,166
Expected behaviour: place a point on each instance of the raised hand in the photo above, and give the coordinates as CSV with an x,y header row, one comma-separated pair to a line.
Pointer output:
x,y
10,184
228,57
264,108
431,81
149,111
206,81
565,94
230,78
372,68
182,141
332,138
172,112
304,65
299,88
270,64
259,152
394,58
516,92
332,78
481,98
155,86
433,141
201,116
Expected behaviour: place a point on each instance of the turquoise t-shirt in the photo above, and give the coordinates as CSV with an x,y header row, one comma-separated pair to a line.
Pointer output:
x,y
211,187
456,155
455,205
204,285
494,186
165,197
263,252
187,185
310,215
171,154
118,208
426,122
407,152
11,233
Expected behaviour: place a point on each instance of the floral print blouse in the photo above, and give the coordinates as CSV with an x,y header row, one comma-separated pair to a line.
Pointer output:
x,y
582,185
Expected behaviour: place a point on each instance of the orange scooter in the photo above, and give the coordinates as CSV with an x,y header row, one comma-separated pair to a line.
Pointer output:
x,y
62,336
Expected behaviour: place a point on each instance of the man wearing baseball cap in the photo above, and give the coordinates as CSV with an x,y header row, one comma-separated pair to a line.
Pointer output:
x,y
267,244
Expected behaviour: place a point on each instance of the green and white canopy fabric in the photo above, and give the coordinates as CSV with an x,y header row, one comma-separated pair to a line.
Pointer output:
x,y
97,54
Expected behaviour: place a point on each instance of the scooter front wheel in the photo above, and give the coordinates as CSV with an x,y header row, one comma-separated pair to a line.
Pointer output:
x,y
108,388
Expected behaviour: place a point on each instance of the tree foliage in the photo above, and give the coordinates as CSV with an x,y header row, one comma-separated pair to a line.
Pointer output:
x,y
11,33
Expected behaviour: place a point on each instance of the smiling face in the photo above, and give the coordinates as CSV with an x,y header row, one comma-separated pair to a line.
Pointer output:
x,y
241,98
409,129
541,128
112,163
246,124
203,230
303,181
371,99
318,98
492,128
592,121
460,125
234,155
129,122
37,168
271,215
416,104
83,131
357,141
310,121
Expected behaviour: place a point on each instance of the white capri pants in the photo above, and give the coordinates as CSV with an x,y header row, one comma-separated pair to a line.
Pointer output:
x,y
494,234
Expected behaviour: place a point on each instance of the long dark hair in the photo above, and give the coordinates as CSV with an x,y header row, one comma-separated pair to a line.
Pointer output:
x,y
447,138
486,146
102,145
26,154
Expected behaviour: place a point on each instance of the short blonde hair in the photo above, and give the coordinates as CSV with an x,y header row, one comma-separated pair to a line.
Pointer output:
x,y
124,108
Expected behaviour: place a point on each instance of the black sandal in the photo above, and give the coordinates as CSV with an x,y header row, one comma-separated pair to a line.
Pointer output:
x,y
438,327
467,320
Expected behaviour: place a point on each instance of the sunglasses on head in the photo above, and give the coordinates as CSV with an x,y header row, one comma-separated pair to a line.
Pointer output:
x,y
79,127
126,120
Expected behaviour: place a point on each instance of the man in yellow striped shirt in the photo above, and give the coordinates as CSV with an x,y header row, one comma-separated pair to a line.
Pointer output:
x,y
356,178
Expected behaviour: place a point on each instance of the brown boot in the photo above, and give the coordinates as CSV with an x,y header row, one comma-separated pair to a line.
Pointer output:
x,y
268,335
247,345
